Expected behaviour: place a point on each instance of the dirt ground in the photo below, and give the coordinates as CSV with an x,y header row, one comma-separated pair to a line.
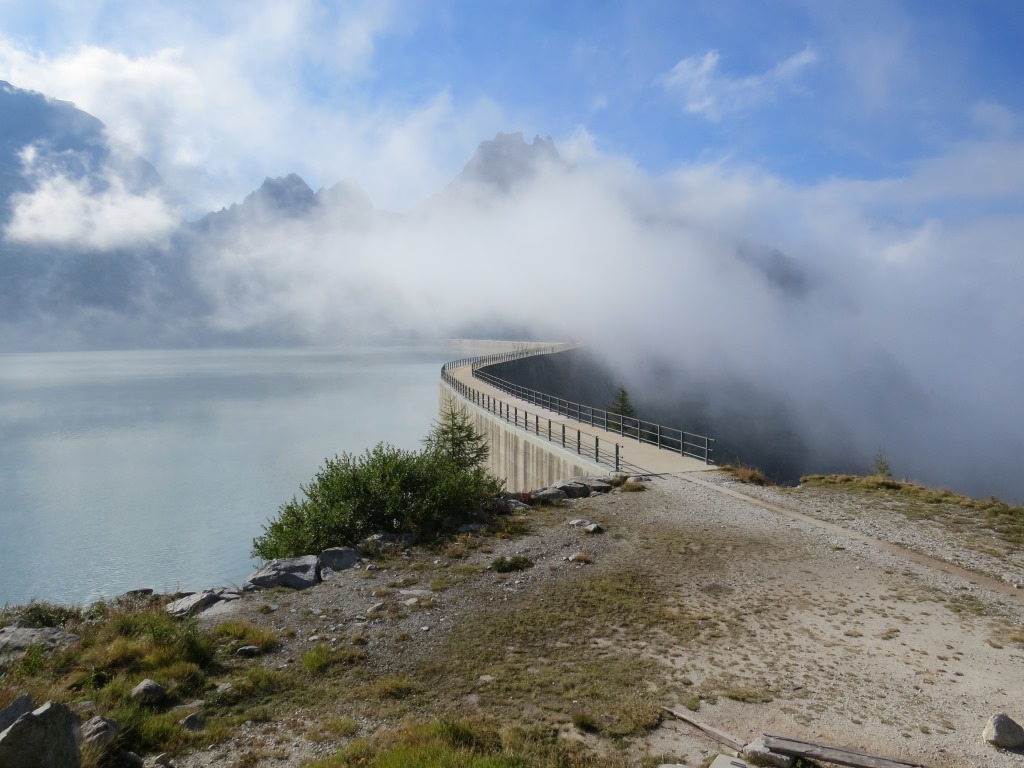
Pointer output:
x,y
803,613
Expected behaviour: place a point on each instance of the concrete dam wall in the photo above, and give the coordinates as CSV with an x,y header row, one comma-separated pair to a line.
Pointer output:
x,y
525,462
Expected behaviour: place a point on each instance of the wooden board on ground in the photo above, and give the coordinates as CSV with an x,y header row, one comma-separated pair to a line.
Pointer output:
x,y
838,755
720,736
724,761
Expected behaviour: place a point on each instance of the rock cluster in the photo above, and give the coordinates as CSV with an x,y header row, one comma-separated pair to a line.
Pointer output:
x,y
303,572
573,488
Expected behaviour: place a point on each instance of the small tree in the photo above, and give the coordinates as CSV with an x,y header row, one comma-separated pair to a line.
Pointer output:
x,y
621,404
882,468
456,437
624,409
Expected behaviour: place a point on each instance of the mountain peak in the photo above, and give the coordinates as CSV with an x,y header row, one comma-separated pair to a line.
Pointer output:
x,y
285,194
507,160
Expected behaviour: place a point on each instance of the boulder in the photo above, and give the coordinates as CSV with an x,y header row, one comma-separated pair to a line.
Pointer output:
x,y
337,559
757,751
43,738
1003,732
16,640
100,732
548,495
572,489
193,722
149,692
20,706
593,484
294,572
193,603
515,505
579,522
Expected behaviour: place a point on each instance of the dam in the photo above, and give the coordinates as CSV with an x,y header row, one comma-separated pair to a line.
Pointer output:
x,y
536,439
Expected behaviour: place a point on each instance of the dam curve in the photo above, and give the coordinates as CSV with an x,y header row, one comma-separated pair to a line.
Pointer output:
x,y
537,439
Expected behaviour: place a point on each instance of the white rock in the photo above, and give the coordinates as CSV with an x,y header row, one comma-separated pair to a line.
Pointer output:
x,y
1003,732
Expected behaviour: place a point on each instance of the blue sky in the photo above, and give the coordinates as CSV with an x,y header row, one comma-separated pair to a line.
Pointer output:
x,y
219,95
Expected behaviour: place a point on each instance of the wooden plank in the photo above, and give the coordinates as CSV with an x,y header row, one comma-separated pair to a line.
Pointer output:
x,y
720,736
837,755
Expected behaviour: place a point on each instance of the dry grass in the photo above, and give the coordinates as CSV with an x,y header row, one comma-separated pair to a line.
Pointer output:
x,y
749,475
953,510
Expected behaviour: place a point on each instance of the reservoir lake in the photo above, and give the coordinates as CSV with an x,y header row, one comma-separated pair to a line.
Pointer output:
x,y
123,470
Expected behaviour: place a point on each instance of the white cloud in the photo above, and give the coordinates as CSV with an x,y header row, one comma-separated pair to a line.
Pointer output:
x,y
62,211
705,91
259,91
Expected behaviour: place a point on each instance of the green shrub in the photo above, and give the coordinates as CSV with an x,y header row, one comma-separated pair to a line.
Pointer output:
x,y
386,489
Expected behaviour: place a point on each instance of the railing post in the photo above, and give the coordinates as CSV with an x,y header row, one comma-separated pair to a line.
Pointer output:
x,y
578,438
659,436
707,452
616,457
597,448
549,430
563,435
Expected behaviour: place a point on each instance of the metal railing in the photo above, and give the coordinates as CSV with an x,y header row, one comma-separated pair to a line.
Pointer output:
x,y
587,445
665,438
505,357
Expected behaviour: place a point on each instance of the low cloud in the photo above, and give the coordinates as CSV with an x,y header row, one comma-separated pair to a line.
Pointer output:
x,y
65,212
703,89
868,318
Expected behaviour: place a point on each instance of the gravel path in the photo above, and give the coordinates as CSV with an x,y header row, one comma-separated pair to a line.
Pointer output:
x,y
816,625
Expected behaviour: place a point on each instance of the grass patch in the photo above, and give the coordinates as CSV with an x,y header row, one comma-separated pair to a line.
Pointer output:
x,y
237,633
393,687
748,695
120,643
450,743
322,656
628,487
509,564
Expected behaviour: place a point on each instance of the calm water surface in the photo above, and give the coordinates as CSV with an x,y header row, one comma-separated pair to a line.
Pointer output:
x,y
121,470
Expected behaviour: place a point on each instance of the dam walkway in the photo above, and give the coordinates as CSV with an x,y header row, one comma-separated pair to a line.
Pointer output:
x,y
577,432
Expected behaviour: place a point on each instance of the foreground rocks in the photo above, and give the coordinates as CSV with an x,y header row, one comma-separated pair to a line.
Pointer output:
x,y
1003,732
43,738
